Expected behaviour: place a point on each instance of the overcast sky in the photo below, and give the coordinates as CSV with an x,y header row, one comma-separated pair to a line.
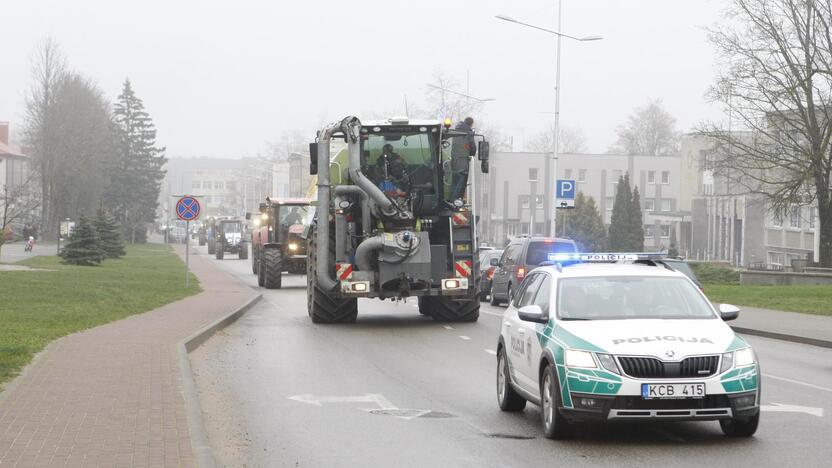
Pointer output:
x,y
221,78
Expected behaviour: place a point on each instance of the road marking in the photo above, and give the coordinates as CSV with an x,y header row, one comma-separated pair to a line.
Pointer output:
x,y
376,398
384,405
781,408
488,312
466,338
491,352
797,382
447,327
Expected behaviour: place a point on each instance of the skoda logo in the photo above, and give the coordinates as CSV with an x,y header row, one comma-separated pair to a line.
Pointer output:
x,y
669,353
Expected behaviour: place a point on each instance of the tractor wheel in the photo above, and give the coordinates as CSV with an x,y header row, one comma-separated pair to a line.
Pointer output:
x,y
322,306
261,273
443,309
273,266
201,242
255,261
212,246
220,253
243,254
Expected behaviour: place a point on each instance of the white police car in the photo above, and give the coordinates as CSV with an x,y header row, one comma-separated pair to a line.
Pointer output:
x,y
628,340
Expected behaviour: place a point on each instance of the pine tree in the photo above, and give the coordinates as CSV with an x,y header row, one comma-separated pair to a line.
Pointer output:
x,y
636,226
109,235
673,251
619,232
83,247
135,181
584,225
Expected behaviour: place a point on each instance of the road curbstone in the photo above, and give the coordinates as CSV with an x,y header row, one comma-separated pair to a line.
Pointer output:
x,y
783,337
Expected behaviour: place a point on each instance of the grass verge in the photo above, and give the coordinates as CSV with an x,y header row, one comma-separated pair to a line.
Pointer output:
x,y
806,299
37,307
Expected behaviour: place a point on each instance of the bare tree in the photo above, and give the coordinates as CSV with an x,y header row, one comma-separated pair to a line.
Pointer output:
x,y
48,69
444,99
650,130
571,140
18,202
776,84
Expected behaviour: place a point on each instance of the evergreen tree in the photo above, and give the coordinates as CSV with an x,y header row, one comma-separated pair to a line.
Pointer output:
x,y
136,179
636,226
619,232
109,235
673,251
584,225
83,247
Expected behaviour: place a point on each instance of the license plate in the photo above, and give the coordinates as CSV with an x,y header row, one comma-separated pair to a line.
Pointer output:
x,y
671,391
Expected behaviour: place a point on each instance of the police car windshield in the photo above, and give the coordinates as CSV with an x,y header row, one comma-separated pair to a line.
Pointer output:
x,y
630,297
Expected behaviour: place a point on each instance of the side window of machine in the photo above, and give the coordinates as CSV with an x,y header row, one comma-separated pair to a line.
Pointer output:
x,y
544,293
529,290
510,256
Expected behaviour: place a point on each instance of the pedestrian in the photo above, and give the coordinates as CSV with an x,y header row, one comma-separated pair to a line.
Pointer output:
x,y
462,149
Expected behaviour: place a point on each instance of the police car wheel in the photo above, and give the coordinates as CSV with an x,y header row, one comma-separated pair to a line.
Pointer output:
x,y
507,398
555,426
740,427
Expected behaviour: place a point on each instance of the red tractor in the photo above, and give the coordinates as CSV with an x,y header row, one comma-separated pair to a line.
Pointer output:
x,y
277,242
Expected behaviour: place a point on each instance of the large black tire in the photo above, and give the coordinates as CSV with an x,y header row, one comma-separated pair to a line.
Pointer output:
x,y
443,309
201,242
740,427
273,266
255,261
322,306
494,301
243,255
220,253
507,397
555,425
212,248
261,273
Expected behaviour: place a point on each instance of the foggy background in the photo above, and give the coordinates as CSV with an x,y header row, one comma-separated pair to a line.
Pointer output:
x,y
221,79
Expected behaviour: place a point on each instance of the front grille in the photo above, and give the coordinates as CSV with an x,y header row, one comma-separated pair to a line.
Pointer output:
x,y
653,368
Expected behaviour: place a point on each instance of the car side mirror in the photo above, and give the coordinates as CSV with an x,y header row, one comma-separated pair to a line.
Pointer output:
x,y
313,158
484,167
532,313
728,312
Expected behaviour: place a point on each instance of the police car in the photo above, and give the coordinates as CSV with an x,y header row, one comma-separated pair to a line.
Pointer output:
x,y
617,337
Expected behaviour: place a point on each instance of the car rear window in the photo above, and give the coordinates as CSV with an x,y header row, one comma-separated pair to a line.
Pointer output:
x,y
539,251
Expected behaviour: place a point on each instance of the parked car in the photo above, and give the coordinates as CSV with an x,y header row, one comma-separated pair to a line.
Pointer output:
x,y
489,259
521,256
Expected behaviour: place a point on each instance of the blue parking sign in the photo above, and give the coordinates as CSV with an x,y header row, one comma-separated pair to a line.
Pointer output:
x,y
565,193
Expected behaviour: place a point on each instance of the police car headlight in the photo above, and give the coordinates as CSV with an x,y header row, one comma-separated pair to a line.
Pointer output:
x,y
576,358
744,357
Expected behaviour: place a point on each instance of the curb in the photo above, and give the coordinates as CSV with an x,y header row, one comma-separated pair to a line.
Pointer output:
x,y
196,426
784,337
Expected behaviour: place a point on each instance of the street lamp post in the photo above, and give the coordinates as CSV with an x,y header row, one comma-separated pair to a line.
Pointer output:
x,y
556,137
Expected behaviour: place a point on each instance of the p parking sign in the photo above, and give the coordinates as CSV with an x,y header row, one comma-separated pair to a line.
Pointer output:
x,y
565,193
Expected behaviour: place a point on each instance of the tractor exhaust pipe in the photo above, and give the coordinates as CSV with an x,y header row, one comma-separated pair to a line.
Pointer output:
x,y
325,271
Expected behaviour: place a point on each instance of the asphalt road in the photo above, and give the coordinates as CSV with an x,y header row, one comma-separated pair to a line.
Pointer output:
x,y
397,389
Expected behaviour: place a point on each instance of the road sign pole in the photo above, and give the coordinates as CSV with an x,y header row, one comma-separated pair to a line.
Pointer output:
x,y
187,254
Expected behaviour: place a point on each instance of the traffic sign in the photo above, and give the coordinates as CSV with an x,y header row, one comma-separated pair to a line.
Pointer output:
x,y
565,193
187,208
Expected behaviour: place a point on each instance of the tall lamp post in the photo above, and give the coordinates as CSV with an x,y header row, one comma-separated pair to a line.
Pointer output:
x,y
556,137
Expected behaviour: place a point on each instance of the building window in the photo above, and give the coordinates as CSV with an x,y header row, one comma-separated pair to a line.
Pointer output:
x,y
533,174
651,177
665,177
567,173
648,231
524,228
218,185
581,175
776,219
775,258
524,202
665,204
812,213
539,201
538,228
650,204
616,175
794,217
610,203
196,184
665,231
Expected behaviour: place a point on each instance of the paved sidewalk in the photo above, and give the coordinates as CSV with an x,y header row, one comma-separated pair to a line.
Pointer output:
x,y
113,395
15,251
791,326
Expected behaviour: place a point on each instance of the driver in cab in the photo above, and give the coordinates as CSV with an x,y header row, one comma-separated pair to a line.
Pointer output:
x,y
391,172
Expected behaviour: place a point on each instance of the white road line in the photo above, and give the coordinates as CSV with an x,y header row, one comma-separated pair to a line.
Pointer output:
x,y
447,327
466,338
491,352
488,312
797,382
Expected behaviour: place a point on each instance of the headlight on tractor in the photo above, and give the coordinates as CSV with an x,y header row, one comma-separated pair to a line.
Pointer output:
x,y
293,246
576,358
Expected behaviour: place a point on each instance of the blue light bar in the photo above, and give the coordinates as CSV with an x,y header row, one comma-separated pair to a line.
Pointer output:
x,y
604,256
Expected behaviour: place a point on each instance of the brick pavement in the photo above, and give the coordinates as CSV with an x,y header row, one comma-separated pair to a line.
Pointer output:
x,y
113,395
